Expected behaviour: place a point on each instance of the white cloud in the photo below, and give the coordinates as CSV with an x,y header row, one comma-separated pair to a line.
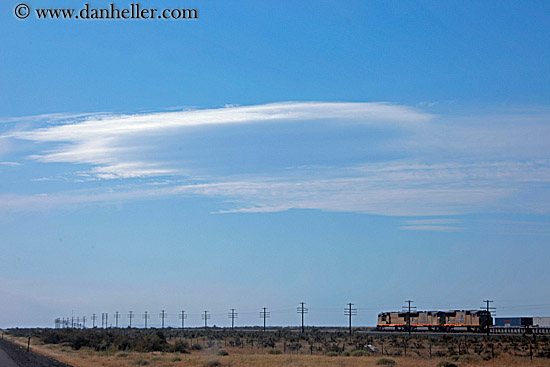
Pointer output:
x,y
11,164
113,141
448,165
432,228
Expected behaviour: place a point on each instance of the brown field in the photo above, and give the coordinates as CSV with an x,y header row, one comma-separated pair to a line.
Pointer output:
x,y
505,351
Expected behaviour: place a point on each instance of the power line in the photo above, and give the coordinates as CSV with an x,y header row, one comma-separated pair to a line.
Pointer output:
x,y
233,315
104,320
205,317
409,314
302,310
117,316
489,313
130,317
350,311
163,316
265,315
146,317
183,316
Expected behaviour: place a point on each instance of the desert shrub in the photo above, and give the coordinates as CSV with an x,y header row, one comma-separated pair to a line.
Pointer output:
x,y
274,351
385,362
446,364
466,358
175,359
121,355
358,353
196,347
141,362
331,354
222,352
212,363
180,347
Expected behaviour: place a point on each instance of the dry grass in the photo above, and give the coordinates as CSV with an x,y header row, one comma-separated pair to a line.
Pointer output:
x,y
244,357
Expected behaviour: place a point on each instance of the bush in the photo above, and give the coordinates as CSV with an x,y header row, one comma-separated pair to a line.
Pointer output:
x,y
141,362
385,362
175,359
180,346
358,353
213,363
332,354
222,352
196,347
446,364
466,358
274,351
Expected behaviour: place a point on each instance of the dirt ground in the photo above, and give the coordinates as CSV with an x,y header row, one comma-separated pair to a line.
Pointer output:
x,y
247,357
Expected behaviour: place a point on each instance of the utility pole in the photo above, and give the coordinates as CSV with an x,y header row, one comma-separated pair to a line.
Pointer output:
x,y
84,322
408,308
117,316
489,314
130,316
183,316
233,315
301,309
350,311
162,317
104,319
146,317
94,318
265,315
206,317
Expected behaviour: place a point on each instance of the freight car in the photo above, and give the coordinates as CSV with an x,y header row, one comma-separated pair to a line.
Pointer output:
x,y
471,320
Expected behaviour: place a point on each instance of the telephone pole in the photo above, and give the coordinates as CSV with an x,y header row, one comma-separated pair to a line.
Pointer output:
x,y
489,314
265,315
117,316
94,318
162,317
409,314
183,316
233,315
146,317
205,317
350,311
130,317
104,320
301,309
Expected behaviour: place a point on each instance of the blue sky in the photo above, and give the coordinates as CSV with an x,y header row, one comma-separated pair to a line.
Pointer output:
x,y
268,154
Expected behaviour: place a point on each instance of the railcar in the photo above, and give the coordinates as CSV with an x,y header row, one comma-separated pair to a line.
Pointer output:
x,y
455,320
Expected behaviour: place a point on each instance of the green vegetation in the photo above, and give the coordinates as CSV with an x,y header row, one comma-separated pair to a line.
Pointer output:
x,y
385,362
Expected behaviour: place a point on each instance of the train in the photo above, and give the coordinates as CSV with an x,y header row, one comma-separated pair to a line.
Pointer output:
x,y
444,321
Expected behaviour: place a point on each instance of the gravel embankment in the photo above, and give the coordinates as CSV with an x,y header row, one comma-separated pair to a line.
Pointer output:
x,y
21,358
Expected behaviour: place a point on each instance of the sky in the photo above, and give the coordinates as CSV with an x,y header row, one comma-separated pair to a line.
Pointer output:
x,y
271,153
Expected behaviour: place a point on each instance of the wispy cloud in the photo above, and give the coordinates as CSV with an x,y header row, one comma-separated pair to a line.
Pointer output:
x,y
11,164
416,222
434,228
445,165
112,142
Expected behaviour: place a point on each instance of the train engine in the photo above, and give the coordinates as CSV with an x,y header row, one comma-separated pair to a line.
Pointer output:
x,y
457,320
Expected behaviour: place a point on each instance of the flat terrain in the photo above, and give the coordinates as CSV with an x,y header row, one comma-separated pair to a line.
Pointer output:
x,y
194,348
14,355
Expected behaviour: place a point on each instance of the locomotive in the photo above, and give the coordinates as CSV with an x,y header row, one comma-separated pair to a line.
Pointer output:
x,y
469,320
